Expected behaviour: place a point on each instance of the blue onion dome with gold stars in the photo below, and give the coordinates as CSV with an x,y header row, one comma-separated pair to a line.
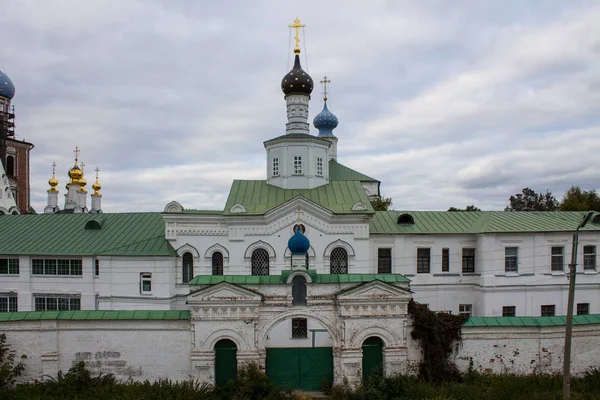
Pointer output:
x,y
298,243
7,89
325,122
297,80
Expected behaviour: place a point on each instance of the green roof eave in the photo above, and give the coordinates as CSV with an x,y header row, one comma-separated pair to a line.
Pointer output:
x,y
339,172
104,315
282,279
530,321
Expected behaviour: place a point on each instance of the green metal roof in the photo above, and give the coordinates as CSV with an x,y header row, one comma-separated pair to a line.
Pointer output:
x,y
96,315
126,234
258,197
531,321
339,172
279,279
203,212
474,222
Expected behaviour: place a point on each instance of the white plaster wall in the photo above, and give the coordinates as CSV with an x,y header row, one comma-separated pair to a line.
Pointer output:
x,y
127,349
281,335
309,152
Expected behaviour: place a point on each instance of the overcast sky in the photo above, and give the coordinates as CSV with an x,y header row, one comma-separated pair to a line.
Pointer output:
x,y
448,103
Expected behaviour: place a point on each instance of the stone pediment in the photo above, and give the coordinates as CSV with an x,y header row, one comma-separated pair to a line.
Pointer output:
x,y
374,291
224,293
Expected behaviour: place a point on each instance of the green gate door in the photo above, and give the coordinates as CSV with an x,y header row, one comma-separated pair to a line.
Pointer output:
x,y
372,360
225,361
300,368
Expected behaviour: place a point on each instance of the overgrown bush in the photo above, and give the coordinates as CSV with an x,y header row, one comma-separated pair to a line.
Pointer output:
x,y
9,370
437,334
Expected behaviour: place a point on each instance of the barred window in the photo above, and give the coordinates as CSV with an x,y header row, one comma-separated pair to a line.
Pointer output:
x,y
557,259
260,262
589,258
338,261
548,310
57,303
299,328
423,261
188,267
9,266
8,303
583,308
217,263
468,260
509,311
511,259
49,266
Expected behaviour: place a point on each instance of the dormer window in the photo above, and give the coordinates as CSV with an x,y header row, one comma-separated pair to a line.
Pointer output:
x,y
406,219
297,165
276,166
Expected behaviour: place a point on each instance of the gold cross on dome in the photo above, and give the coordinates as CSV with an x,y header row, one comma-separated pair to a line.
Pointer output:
x,y
97,170
76,151
82,166
324,82
53,168
297,25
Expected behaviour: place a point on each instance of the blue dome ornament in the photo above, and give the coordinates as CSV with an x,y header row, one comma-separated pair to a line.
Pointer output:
x,y
298,243
7,89
325,121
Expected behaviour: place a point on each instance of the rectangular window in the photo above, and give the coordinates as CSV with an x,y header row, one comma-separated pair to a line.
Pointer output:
x,y
9,266
423,261
583,308
511,259
558,259
445,260
509,311
62,267
384,261
276,166
319,166
299,328
468,260
97,267
146,283
57,303
548,310
8,303
297,165
589,258
464,309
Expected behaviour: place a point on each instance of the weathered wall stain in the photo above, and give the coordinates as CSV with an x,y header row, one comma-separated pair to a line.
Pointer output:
x,y
107,362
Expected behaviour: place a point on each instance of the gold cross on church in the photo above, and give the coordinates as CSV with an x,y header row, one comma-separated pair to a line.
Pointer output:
x,y
297,25
324,82
76,151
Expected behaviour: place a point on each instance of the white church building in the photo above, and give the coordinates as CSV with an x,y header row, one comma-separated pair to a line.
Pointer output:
x,y
297,272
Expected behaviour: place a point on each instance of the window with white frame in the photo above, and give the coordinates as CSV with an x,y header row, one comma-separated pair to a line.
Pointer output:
x,y
8,303
319,166
423,260
50,266
56,303
276,166
511,259
589,258
465,309
468,260
9,266
297,165
146,283
557,259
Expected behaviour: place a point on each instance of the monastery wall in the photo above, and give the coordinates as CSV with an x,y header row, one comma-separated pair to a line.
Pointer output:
x,y
153,349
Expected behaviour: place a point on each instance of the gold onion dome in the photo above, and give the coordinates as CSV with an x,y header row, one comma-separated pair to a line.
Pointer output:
x,y
75,173
53,183
96,186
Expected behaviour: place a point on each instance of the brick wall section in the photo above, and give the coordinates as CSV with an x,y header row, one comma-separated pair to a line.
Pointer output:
x,y
20,150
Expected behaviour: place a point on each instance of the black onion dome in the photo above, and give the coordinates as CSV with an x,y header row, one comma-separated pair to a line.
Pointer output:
x,y
297,80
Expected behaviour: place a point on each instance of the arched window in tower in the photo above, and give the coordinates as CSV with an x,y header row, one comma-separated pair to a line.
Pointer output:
x,y
10,166
339,261
299,291
260,262
217,263
188,267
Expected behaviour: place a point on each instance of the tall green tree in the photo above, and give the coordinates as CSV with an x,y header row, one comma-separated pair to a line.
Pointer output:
x,y
529,200
380,203
468,208
580,200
